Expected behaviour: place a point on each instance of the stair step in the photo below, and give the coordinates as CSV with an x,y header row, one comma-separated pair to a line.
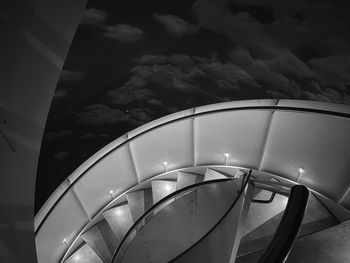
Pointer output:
x,y
84,254
185,179
119,219
239,173
162,188
101,239
260,227
316,217
261,213
211,174
139,202
329,245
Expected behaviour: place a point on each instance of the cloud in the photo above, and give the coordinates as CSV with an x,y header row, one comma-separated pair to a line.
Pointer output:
x,y
131,91
287,63
61,134
175,25
155,102
327,95
61,155
124,33
143,115
99,115
152,59
332,69
268,72
240,57
260,71
276,94
60,94
228,75
171,77
245,31
93,16
70,76
186,74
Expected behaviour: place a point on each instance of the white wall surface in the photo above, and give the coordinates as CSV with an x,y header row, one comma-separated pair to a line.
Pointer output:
x,y
35,37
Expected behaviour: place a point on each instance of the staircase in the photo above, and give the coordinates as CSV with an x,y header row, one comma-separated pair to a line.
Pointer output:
x,y
101,240
320,227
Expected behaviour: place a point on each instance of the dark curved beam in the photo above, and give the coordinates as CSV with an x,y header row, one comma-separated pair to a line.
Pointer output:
x,y
288,229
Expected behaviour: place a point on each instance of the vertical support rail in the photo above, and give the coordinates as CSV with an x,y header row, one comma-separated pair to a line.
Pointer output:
x,y
288,229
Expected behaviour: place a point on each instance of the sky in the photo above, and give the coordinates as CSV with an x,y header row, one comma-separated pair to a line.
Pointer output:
x,y
133,61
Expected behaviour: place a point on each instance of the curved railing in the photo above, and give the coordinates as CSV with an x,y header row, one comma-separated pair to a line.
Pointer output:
x,y
150,212
275,108
289,227
277,250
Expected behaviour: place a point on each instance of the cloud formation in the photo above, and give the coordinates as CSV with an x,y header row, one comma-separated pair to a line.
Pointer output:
x,y
93,16
100,115
131,91
228,75
60,134
175,25
333,69
124,33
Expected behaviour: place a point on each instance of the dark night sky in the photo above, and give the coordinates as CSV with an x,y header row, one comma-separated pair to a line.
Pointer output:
x,y
134,61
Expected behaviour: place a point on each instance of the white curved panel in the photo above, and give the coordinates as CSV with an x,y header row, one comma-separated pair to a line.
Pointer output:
x,y
64,222
167,118
114,173
315,105
235,104
171,143
94,158
239,133
318,143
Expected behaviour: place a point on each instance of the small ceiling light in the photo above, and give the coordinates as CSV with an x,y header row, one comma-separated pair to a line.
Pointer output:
x,y
77,257
64,241
167,187
111,193
165,166
227,155
301,170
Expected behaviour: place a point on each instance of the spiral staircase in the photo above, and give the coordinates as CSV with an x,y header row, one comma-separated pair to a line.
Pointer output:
x,y
288,141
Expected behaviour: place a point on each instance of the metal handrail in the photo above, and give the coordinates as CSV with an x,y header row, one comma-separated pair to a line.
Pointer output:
x,y
161,202
289,227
